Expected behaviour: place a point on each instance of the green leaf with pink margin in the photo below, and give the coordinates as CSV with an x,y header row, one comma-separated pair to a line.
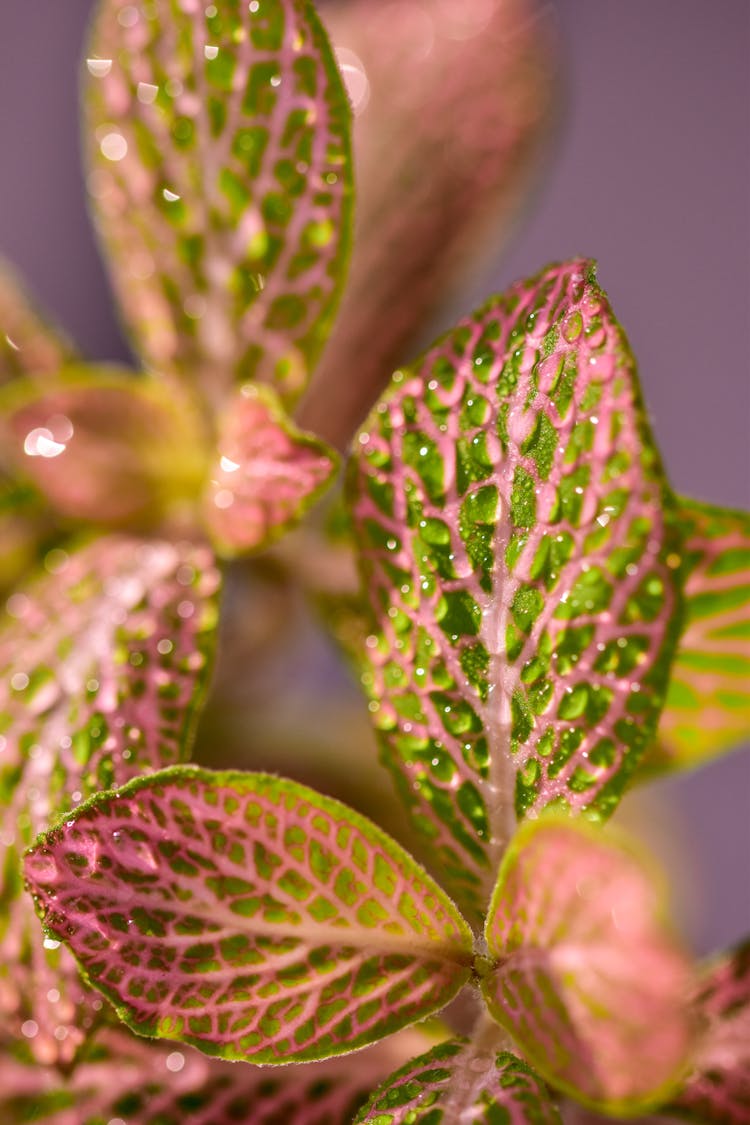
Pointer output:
x,y
106,446
452,104
103,666
584,972
248,916
268,473
707,710
456,1082
124,1078
28,344
518,552
219,148
717,1091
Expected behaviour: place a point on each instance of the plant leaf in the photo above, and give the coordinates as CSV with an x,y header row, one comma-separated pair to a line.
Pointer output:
x,y
28,345
452,104
455,1082
104,663
222,188
123,1077
267,475
707,710
104,445
586,976
718,1089
248,916
517,552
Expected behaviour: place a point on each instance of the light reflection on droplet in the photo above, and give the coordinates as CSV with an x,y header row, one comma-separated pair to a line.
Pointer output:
x,y
53,995
276,80
114,147
174,88
19,681
170,196
175,1061
355,78
99,68
224,499
164,647
128,17
30,1028
17,605
228,465
210,51
185,610
56,560
253,6
40,442
146,93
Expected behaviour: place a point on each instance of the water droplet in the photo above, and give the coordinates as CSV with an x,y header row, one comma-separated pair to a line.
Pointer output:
x,y
228,465
146,93
53,995
30,1028
128,17
99,68
50,943
175,1061
170,196
212,52
113,146
40,442
19,681
224,499
185,610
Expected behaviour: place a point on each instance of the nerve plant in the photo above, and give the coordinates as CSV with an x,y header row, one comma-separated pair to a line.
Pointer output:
x,y
529,582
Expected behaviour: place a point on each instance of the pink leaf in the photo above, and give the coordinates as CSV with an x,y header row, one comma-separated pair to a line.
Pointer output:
x,y
586,976
519,560
456,1082
707,710
28,345
451,103
125,1078
718,1089
105,445
248,916
104,662
221,184
267,475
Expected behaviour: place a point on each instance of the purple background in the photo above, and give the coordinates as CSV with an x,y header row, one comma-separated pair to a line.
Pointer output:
x,y
650,174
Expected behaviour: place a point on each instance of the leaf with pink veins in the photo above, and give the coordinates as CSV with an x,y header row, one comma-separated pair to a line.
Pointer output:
x,y
219,147
717,1091
124,1078
104,663
28,345
457,1081
452,104
268,473
248,916
707,709
583,971
107,446
519,555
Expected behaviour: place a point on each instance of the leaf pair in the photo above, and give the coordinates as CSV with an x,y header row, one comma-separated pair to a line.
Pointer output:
x,y
258,920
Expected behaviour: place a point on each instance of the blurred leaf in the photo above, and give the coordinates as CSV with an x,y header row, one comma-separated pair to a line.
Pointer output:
x,y
28,345
107,446
249,916
455,1082
221,184
518,555
104,664
587,978
718,1089
707,710
266,476
452,102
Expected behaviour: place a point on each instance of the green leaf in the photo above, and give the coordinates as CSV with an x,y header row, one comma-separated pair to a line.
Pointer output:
x,y
585,974
219,146
707,710
520,563
103,665
106,446
248,916
267,475
458,1082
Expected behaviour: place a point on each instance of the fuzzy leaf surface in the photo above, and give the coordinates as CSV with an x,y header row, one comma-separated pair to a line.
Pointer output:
x,y
517,556
125,1078
587,977
718,1089
451,105
266,476
104,445
707,710
103,664
221,184
28,344
456,1082
249,916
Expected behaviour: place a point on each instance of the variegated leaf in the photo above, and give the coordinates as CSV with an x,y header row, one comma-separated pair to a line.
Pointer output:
x,y
718,1089
266,476
221,183
248,916
105,445
456,1082
126,1079
519,562
28,345
584,973
452,102
707,710
104,662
